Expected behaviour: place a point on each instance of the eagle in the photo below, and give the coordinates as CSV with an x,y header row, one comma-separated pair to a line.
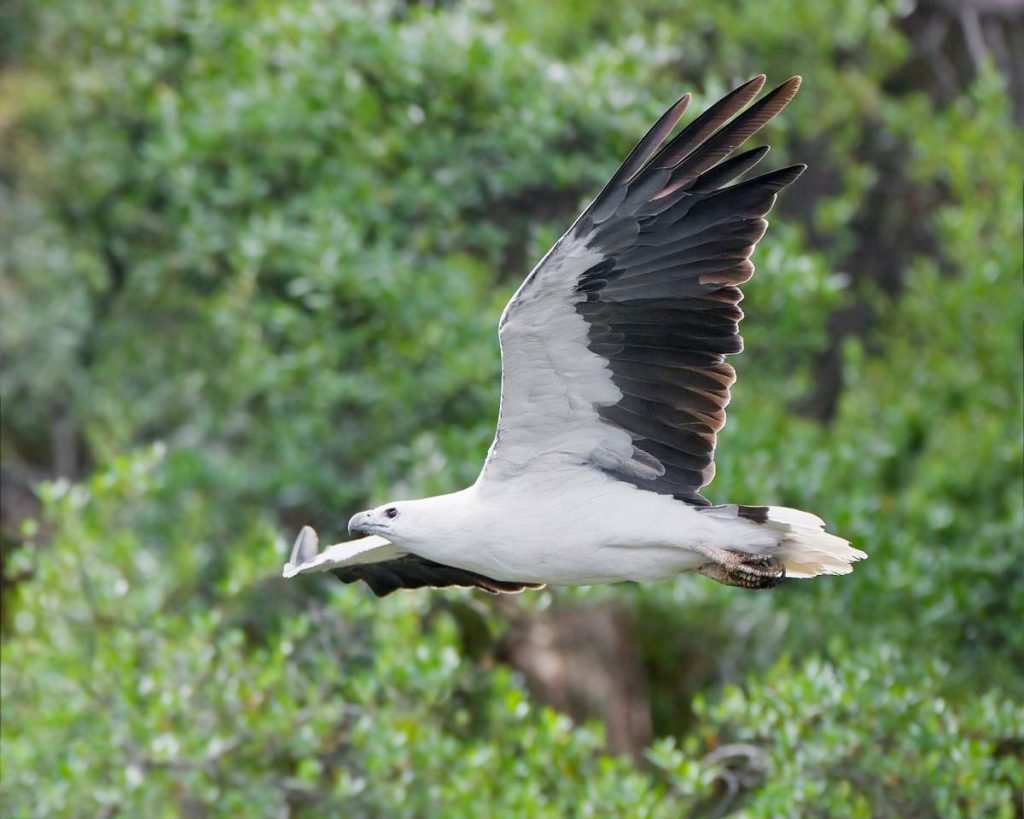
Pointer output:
x,y
614,386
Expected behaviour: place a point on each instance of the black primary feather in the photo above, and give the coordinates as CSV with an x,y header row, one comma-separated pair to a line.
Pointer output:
x,y
662,306
414,572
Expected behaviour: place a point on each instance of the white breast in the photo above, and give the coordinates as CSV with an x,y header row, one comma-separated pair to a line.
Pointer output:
x,y
575,525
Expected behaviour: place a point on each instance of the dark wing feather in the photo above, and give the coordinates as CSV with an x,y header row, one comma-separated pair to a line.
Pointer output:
x,y
413,572
639,387
662,304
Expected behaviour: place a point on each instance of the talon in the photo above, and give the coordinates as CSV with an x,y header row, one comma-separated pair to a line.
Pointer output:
x,y
748,572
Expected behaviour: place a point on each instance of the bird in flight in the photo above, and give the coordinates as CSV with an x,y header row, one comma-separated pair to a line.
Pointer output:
x,y
613,388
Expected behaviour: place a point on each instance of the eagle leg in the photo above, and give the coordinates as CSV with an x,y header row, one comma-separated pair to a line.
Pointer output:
x,y
746,571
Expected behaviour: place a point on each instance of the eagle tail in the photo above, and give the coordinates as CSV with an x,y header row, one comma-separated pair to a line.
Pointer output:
x,y
806,549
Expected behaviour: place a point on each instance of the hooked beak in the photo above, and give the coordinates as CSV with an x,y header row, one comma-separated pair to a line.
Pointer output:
x,y
359,524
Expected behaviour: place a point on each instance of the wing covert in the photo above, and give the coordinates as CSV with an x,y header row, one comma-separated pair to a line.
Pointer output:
x,y
385,567
613,349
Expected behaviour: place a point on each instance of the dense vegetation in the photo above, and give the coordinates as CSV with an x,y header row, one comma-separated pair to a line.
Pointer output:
x,y
253,257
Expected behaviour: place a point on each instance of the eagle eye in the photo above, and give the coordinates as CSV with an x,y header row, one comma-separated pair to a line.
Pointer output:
x,y
391,513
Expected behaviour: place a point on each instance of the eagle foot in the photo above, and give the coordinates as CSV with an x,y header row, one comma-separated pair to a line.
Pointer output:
x,y
746,571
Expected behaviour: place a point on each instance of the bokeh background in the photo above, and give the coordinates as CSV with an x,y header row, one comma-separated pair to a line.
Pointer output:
x,y
253,256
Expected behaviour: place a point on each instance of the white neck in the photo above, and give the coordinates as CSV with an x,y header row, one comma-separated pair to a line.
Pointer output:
x,y
436,526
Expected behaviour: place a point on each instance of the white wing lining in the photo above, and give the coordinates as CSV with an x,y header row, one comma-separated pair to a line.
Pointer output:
x,y
306,557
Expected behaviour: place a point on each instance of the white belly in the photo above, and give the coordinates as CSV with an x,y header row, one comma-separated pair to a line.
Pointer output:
x,y
580,527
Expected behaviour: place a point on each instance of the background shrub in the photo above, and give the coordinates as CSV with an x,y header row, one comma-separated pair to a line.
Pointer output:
x,y
254,254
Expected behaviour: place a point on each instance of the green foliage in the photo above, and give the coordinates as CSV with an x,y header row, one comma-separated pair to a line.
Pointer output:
x,y
152,689
874,736
256,254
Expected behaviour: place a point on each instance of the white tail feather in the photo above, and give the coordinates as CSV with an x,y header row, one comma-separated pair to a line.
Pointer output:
x,y
806,549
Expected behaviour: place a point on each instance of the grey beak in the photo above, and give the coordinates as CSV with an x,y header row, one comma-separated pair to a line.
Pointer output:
x,y
356,522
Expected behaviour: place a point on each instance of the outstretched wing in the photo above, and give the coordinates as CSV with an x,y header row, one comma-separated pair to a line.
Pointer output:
x,y
383,566
613,349
414,572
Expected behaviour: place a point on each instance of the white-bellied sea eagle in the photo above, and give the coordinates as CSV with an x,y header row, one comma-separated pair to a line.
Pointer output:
x,y
613,388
